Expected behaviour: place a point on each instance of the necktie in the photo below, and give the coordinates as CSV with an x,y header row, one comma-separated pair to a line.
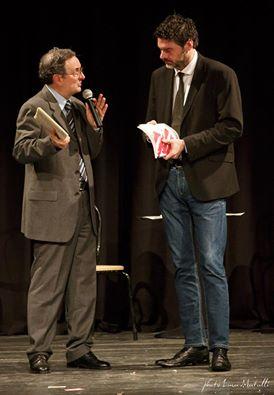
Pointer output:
x,y
177,113
70,119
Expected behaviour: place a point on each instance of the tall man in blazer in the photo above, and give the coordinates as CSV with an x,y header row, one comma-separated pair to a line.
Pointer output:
x,y
58,211
192,183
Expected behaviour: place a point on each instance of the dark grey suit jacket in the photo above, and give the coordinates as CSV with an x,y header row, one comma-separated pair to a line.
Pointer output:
x,y
212,120
51,190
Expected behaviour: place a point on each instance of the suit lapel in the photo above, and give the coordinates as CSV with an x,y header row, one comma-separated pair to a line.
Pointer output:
x,y
78,127
56,112
168,89
195,86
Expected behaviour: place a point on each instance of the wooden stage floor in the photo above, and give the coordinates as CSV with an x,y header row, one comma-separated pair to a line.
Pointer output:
x,y
133,370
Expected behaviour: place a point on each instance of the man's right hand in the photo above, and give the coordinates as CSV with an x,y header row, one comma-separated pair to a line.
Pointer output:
x,y
57,142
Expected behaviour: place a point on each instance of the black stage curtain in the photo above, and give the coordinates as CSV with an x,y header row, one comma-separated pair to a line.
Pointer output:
x,y
118,52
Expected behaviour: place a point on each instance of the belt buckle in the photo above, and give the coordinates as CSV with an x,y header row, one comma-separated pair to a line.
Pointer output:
x,y
83,185
176,163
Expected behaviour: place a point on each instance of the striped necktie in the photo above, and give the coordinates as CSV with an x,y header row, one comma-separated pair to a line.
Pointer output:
x,y
71,123
177,113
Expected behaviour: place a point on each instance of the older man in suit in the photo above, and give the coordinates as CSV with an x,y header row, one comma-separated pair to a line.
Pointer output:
x,y
58,211
193,181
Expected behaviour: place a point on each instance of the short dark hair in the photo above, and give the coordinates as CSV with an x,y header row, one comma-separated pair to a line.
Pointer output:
x,y
53,62
179,29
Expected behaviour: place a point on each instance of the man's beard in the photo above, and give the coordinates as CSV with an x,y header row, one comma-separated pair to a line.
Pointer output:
x,y
178,66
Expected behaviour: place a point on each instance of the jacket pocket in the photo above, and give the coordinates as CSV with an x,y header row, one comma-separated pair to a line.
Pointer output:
x,y
50,196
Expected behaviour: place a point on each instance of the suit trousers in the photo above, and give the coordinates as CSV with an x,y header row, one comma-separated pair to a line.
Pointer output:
x,y
64,271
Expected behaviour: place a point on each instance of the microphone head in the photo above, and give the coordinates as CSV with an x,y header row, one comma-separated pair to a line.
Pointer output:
x,y
87,94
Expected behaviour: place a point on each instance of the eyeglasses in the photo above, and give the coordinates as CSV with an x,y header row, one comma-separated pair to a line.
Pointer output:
x,y
76,73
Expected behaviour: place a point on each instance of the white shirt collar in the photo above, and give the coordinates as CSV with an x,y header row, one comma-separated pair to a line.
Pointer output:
x,y
189,69
60,99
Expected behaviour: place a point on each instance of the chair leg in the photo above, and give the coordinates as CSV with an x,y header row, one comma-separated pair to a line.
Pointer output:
x,y
134,329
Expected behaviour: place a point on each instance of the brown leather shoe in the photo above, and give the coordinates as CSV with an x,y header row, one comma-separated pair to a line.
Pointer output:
x,y
187,356
220,361
39,364
88,361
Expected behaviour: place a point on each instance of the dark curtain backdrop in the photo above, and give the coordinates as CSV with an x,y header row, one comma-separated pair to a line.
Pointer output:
x,y
116,48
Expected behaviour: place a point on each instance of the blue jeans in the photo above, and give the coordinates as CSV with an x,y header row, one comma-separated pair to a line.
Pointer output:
x,y
196,231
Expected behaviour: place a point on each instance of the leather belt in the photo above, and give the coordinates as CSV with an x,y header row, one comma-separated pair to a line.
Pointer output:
x,y
176,163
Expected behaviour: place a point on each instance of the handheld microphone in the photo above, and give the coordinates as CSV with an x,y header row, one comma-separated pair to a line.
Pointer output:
x,y
87,95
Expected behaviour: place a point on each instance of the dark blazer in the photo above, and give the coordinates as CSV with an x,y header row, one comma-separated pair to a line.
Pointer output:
x,y
212,120
51,190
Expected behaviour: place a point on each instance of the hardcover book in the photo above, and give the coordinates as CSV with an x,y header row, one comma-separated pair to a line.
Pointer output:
x,y
49,123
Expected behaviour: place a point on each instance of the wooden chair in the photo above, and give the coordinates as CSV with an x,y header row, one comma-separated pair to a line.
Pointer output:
x,y
115,268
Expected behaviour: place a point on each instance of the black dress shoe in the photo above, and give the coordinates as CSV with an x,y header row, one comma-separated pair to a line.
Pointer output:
x,y
39,364
220,361
88,361
187,356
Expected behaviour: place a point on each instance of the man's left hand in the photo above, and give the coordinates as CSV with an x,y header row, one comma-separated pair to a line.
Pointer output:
x,y
101,107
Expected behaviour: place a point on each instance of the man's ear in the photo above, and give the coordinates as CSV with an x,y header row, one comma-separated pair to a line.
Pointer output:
x,y
189,45
57,79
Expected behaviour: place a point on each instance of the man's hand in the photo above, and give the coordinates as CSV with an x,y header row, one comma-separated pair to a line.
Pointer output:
x,y
101,107
177,146
57,142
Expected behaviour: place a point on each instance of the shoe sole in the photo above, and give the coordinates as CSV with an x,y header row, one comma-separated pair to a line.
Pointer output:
x,y
42,372
85,367
193,363
220,369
